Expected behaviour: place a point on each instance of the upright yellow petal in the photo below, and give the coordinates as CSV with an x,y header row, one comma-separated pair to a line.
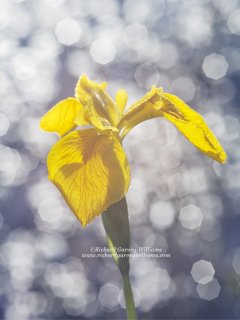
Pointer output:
x,y
100,99
90,170
121,101
144,109
192,126
60,118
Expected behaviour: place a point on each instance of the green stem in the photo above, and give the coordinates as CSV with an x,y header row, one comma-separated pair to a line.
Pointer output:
x,y
128,295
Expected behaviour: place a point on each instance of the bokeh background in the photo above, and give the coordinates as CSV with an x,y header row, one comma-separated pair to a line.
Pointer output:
x,y
179,200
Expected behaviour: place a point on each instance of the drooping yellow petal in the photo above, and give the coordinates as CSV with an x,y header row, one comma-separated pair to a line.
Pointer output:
x,y
144,109
100,99
60,118
121,101
90,170
192,126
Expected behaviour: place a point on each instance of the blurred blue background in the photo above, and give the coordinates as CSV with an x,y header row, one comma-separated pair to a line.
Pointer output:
x,y
179,200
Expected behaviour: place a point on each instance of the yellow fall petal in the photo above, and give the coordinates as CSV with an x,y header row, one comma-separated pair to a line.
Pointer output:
x,y
100,99
90,170
60,118
192,126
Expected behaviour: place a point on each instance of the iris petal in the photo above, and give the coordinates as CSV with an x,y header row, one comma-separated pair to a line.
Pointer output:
x,y
104,105
121,101
61,117
144,109
192,126
90,170
190,123
101,124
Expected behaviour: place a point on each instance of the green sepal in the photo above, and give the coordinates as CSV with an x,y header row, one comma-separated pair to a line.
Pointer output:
x,y
116,224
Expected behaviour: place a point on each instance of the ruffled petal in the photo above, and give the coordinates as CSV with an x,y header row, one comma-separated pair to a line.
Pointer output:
x,y
101,124
90,170
104,105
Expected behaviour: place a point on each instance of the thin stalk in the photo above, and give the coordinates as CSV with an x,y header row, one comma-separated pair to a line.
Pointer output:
x,y
128,295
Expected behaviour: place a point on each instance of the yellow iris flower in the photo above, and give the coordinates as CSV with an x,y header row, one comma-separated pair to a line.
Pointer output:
x,y
89,165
